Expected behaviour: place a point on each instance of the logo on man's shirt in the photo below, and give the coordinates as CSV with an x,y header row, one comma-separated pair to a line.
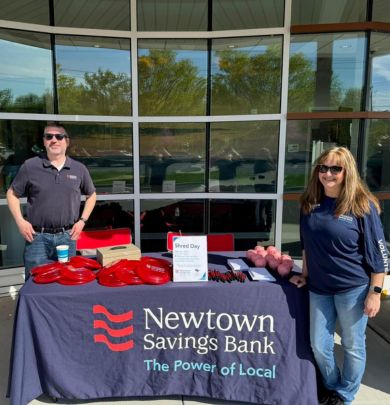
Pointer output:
x,y
71,177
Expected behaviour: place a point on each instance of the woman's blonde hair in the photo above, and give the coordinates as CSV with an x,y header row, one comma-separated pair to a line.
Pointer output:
x,y
354,198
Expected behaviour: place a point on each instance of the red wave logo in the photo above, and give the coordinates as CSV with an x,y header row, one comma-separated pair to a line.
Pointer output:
x,y
113,332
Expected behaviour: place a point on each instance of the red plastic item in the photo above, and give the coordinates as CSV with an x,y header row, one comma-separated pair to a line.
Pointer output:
x,y
155,271
82,274
48,277
128,276
44,268
80,261
110,268
103,238
109,280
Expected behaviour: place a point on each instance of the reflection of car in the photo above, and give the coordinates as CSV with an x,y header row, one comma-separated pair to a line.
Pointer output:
x,y
109,160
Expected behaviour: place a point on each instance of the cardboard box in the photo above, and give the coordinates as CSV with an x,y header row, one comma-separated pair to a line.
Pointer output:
x,y
110,254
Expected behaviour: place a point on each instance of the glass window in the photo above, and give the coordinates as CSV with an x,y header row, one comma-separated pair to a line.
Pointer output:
x,y
172,157
172,77
307,139
93,75
379,86
290,229
26,80
111,214
103,14
251,221
246,14
377,155
172,15
243,156
19,140
161,216
12,242
327,11
107,151
381,10
326,72
246,75
26,11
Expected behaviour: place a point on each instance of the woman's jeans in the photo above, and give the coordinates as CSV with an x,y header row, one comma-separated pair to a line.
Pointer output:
x,y
347,308
43,249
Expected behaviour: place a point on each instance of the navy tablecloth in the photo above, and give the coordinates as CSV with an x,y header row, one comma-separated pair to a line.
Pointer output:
x,y
245,342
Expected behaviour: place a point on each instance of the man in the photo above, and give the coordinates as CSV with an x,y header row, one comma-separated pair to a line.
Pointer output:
x,y
52,183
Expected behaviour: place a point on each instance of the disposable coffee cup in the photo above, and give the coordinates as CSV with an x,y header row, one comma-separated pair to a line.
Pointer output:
x,y
63,253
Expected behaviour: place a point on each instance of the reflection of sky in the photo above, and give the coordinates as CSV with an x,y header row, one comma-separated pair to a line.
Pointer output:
x,y
76,61
380,83
197,58
24,69
347,63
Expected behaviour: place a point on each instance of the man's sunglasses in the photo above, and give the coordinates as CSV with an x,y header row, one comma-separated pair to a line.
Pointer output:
x,y
333,169
59,137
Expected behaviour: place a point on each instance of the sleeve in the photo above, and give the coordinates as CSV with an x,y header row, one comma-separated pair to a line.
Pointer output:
x,y
300,230
375,250
20,182
87,186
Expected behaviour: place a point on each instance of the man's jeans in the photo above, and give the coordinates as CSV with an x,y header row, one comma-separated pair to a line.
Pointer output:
x,y
347,308
43,249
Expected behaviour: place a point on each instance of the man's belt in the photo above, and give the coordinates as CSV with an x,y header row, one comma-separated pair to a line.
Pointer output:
x,y
61,229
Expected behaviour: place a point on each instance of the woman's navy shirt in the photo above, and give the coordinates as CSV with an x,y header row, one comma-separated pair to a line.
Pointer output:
x,y
342,251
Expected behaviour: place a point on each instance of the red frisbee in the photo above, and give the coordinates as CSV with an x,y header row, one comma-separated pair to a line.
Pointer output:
x,y
110,268
128,276
80,261
109,280
48,277
45,268
70,273
154,271
67,281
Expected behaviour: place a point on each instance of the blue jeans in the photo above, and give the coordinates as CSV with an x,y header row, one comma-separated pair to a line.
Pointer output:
x,y
42,249
347,308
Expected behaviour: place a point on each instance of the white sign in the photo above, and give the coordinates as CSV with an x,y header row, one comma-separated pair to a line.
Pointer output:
x,y
169,186
190,258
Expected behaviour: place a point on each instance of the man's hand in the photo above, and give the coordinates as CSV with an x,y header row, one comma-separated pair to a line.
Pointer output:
x,y
298,280
76,229
372,304
26,230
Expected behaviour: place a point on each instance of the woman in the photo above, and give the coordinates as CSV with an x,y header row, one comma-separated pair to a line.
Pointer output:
x,y
344,262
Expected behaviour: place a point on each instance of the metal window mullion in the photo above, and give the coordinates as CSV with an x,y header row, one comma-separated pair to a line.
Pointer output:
x,y
134,103
283,124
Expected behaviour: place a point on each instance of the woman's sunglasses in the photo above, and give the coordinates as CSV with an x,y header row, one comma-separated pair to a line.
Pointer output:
x,y
59,137
333,169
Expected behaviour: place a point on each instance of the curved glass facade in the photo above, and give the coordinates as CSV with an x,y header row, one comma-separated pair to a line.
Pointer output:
x,y
196,116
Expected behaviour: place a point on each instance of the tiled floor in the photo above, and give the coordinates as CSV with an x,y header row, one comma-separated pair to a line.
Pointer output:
x,y
375,389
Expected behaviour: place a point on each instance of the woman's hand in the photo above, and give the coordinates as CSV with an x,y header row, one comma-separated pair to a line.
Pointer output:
x,y
372,304
298,280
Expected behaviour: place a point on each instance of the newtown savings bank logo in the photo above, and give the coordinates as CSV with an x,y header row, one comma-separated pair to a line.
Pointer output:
x,y
202,332
111,335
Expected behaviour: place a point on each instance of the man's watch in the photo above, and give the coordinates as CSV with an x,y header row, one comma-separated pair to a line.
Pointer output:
x,y
376,289
83,219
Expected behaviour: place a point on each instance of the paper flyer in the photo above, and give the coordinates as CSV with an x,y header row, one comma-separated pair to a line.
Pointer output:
x,y
190,258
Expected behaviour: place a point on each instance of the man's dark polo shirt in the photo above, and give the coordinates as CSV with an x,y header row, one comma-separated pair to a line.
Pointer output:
x,y
53,197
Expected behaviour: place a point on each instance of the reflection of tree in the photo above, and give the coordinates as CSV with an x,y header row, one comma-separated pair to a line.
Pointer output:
x,y
249,82
27,103
102,92
5,99
301,80
168,86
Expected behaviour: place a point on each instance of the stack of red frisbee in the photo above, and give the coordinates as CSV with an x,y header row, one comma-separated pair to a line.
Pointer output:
x,y
155,271
120,273
79,270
